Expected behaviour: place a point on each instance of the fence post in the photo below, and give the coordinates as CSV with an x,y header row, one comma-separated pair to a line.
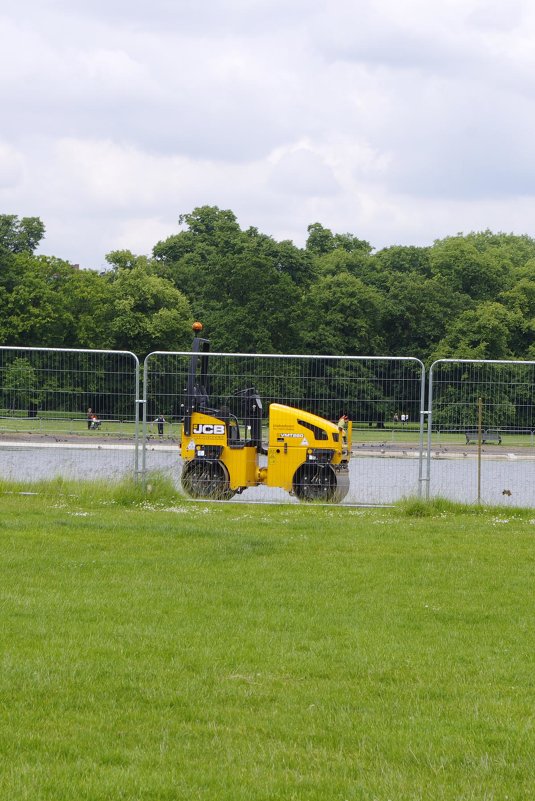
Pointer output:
x,y
429,428
479,443
423,413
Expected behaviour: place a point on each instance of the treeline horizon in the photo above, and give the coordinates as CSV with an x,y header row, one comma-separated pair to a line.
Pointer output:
x,y
468,296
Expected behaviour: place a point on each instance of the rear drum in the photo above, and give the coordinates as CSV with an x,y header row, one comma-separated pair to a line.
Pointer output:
x,y
320,482
206,479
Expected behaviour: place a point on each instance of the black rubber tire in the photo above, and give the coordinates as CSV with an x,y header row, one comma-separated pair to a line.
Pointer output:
x,y
206,479
320,483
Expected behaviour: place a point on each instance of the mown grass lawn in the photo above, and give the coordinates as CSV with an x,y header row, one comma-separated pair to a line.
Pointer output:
x,y
172,650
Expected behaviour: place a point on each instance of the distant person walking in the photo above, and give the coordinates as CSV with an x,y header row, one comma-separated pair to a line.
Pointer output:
x,y
342,424
160,422
89,417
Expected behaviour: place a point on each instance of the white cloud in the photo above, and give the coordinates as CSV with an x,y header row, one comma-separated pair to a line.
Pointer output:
x,y
399,122
11,167
139,234
301,171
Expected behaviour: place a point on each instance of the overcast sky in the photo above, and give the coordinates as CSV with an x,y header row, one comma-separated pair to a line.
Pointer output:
x,y
399,122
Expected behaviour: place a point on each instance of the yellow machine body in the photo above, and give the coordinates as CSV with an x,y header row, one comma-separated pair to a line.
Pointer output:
x,y
224,452
210,439
295,438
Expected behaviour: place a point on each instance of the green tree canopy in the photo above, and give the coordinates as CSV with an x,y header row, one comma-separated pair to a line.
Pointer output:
x,y
418,313
404,259
243,285
342,315
147,313
37,310
322,240
480,275
20,236
487,332
470,295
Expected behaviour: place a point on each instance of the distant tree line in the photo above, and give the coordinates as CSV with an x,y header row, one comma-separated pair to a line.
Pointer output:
x,y
466,296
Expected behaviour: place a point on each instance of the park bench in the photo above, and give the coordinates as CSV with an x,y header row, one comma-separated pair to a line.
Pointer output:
x,y
489,435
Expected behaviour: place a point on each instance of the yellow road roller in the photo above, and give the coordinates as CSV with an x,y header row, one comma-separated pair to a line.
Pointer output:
x,y
223,452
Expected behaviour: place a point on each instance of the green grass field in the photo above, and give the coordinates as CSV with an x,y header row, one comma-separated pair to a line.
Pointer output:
x,y
158,649
76,425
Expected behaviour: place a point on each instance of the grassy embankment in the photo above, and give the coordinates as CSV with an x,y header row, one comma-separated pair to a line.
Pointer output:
x,y
171,650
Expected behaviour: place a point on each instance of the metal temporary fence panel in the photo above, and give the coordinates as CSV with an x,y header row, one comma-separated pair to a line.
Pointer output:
x,y
481,432
382,397
69,413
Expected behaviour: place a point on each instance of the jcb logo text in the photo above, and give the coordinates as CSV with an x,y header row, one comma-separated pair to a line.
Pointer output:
x,y
208,428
